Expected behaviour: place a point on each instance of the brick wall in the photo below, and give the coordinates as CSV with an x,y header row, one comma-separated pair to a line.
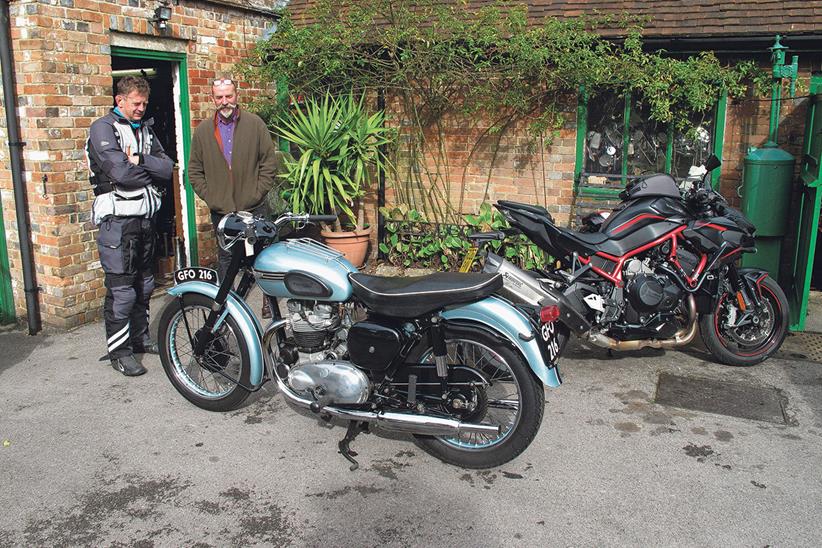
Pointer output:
x,y
62,54
478,166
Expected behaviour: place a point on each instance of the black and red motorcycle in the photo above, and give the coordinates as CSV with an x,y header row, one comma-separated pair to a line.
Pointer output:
x,y
659,267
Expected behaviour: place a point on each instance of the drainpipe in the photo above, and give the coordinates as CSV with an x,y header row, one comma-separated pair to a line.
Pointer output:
x,y
381,188
15,153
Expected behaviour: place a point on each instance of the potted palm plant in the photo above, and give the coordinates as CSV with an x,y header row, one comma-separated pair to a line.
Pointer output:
x,y
339,149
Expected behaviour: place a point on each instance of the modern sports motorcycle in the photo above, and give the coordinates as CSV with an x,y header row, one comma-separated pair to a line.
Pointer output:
x,y
661,265
442,357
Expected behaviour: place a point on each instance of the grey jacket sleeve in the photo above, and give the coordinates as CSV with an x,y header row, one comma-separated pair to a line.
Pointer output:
x,y
104,151
158,165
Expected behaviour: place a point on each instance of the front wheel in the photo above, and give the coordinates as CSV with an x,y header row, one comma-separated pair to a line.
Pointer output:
x,y
215,380
512,399
737,337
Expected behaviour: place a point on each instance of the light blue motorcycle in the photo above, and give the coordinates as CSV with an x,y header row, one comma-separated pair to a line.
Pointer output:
x,y
443,357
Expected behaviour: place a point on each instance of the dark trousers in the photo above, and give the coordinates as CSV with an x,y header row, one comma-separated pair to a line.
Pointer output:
x,y
223,256
126,246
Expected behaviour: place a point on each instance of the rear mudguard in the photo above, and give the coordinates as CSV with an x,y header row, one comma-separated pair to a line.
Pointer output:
x,y
513,326
250,328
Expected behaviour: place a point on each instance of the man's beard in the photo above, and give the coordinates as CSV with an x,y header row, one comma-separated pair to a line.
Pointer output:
x,y
227,112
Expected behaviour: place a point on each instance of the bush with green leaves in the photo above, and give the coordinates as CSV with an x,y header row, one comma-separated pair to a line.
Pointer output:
x,y
491,70
412,241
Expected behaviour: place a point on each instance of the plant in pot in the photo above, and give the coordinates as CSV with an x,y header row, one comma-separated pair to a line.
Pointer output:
x,y
339,149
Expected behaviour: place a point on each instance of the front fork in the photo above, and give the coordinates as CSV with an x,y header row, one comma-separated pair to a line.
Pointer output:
x,y
205,334
746,294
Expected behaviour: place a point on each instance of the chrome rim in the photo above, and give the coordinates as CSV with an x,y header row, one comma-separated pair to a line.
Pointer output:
x,y
203,377
503,393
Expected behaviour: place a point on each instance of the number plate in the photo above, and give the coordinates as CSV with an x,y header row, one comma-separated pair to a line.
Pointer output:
x,y
469,259
196,274
548,332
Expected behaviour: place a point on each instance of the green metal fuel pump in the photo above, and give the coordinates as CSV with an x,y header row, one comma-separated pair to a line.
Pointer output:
x,y
768,176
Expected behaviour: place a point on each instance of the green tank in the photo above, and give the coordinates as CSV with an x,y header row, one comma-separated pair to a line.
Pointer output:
x,y
766,195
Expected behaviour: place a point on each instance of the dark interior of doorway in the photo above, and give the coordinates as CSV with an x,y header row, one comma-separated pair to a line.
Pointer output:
x,y
161,109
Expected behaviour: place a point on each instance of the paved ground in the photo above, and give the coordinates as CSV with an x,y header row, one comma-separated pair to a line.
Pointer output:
x,y
89,457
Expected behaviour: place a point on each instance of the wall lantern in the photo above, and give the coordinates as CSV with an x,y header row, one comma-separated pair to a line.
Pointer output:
x,y
162,15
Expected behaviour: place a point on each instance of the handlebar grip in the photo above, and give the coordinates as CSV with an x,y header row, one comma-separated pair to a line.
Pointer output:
x,y
322,218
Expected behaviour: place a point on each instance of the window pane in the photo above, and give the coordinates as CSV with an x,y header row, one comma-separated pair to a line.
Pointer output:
x,y
693,146
649,139
603,142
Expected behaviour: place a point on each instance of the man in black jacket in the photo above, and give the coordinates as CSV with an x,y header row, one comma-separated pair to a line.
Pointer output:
x,y
126,160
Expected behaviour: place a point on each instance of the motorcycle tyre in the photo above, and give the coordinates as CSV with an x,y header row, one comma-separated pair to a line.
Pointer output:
x,y
230,401
532,404
714,344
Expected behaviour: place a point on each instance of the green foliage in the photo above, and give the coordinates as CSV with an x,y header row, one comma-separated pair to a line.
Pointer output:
x,y
437,61
519,249
411,241
339,147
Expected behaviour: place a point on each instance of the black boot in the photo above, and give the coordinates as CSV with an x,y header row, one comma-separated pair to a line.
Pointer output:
x,y
128,366
147,347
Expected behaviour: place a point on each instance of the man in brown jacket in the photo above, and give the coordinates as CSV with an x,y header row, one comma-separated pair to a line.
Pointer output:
x,y
233,162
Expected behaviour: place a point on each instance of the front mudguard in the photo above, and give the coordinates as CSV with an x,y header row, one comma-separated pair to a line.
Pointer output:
x,y
514,327
250,328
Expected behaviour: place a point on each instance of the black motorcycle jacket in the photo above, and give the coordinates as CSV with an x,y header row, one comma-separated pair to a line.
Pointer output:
x,y
110,137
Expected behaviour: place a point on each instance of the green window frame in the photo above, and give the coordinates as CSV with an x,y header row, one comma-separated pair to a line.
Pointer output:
x,y
617,181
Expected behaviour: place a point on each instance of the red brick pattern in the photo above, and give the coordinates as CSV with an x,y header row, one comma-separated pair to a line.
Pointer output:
x,y
63,71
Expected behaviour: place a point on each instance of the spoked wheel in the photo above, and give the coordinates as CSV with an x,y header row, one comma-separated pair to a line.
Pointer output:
x,y
735,337
512,398
211,381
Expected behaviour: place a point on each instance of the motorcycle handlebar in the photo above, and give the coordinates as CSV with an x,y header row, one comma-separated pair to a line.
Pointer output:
x,y
322,218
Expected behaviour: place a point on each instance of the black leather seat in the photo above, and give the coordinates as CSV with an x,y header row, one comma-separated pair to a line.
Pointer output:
x,y
410,297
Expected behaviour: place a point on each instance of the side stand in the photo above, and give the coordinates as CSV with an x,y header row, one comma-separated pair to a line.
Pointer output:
x,y
354,429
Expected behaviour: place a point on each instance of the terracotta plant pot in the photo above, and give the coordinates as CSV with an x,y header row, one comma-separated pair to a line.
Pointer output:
x,y
353,244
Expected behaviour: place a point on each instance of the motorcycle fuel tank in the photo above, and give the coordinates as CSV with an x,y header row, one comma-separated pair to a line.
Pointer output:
x,y
304,269
634,219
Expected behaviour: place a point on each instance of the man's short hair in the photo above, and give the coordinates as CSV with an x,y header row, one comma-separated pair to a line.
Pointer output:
x,y
127,84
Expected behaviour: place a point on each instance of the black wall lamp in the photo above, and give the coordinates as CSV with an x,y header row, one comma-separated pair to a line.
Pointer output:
x,y
162,15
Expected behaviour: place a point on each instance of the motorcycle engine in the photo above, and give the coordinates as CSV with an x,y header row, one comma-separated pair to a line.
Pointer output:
x,y
315,326
648,291
316,368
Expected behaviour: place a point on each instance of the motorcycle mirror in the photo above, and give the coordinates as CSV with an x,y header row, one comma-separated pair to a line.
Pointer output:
x,y
712,162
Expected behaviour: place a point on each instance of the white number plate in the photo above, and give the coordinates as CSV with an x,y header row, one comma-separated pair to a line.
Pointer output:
x,y
196,274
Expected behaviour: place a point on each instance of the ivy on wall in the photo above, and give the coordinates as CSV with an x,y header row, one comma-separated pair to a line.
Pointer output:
x,y
439,64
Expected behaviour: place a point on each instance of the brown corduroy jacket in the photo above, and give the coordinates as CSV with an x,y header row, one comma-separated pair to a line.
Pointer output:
x,y
254,165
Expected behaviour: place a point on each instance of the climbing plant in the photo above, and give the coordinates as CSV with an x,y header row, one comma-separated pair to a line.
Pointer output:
x,y
440,63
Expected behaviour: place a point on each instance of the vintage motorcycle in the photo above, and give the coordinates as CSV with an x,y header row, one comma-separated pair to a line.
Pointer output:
x,y
647,275
442,357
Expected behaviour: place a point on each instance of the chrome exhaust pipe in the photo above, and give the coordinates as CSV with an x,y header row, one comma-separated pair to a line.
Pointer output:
x,y
389,420
680,338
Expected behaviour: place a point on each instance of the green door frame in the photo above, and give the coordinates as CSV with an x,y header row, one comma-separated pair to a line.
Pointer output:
x,y
7,314
185,114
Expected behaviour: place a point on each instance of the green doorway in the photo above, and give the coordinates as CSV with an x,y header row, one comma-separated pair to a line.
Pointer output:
x,y
167,73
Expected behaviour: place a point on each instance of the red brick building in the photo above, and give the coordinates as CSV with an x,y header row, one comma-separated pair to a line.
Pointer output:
x,y
66,53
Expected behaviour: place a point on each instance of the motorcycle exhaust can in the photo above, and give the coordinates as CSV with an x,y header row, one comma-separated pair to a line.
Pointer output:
x,y
518,285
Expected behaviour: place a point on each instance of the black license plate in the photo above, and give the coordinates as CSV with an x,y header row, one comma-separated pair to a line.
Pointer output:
x,y
196,274
548,332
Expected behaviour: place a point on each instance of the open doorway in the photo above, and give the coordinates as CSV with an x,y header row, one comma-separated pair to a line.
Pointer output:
x,y
169,248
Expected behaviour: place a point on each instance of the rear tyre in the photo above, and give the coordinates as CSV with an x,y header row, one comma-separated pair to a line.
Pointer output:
x,y
514,400
751,341
209,382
